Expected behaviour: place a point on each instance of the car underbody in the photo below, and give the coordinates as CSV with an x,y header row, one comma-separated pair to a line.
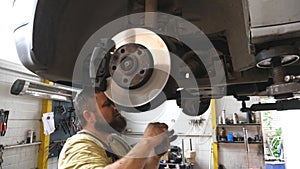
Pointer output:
x,y
210,49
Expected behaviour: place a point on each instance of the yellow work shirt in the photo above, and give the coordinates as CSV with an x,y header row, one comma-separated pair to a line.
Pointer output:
x,y
85,151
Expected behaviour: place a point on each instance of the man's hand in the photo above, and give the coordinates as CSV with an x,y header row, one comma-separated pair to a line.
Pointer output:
x,y
141,155
163,147
155,129
158,136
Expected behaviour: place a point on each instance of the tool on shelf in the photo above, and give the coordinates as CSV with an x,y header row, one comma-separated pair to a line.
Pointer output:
x,y
190,155
182,154
191,147
245,133
3,121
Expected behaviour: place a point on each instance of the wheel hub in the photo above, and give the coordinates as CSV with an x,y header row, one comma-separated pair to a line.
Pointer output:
x,y
131,66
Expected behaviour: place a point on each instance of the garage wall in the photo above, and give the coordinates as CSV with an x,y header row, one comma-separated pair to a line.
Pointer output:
x,y
24,115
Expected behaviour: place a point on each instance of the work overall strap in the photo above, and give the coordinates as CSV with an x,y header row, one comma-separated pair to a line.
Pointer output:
x,y
108,149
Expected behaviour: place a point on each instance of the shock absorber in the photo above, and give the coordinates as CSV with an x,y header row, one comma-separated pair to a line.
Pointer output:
x,y
276,58
278,71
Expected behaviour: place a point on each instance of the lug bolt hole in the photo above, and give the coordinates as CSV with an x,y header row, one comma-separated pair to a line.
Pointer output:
x,y
142,71
139,52
122,51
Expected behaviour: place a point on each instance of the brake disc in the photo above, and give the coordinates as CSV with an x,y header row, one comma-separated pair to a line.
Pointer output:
x,y
139,67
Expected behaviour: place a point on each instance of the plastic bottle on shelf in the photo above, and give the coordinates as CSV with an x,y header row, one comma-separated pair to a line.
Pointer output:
x,y
251,117
254,118
223,135
223,117
235,118
220,120
230,136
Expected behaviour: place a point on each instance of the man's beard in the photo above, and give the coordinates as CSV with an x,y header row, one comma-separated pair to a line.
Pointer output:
x,y
118,124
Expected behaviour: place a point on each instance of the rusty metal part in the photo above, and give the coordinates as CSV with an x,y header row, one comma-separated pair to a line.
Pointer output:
x,y
276,58
150,5
284,88
150,16
278,74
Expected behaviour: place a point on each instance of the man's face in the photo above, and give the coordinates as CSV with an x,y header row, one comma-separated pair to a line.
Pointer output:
x,y
108,114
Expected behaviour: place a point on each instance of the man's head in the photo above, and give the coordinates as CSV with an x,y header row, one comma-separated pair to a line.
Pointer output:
x,y
94,109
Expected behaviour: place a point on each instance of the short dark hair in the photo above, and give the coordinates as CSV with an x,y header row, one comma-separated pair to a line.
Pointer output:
x,y
85,100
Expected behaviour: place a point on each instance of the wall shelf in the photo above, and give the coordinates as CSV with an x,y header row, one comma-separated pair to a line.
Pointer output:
x,y
178,134
239,125
238,128
21,145
239,142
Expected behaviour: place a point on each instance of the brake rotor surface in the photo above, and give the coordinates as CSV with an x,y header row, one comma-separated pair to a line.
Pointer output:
x,y
139,68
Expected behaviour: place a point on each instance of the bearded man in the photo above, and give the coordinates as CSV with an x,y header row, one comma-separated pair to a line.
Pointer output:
x,y
98,144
